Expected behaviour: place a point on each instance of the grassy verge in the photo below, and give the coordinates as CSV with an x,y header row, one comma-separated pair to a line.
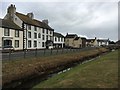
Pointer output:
x,y
100,73
13,71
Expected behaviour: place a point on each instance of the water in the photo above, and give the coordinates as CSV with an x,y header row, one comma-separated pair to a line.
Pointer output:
x,y
30,83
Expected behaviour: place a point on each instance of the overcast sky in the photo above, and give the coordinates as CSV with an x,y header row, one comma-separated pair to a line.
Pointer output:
x,y
91,18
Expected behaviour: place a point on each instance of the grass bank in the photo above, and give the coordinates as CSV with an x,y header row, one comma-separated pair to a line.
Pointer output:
x,y
17,71
100,73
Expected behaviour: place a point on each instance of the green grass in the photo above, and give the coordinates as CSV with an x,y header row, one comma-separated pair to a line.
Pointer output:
x,y
100,73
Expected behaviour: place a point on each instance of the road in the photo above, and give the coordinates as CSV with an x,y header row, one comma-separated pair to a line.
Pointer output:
x,y
38,53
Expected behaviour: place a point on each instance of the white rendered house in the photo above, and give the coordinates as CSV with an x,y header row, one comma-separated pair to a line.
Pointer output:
x,y
10,34
58,40
104,42
36,33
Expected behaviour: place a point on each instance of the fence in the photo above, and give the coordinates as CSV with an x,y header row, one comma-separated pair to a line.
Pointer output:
x,y
35,53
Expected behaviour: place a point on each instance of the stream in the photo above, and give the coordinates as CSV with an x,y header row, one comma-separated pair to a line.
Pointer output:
x,y
32,82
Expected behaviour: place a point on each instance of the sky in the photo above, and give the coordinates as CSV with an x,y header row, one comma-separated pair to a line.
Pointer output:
x,y
86,18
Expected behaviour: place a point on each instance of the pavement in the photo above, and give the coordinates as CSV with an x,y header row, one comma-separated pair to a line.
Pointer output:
x,y
39,53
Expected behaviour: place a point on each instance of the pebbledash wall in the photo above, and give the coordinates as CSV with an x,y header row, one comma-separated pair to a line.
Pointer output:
x,y
36,33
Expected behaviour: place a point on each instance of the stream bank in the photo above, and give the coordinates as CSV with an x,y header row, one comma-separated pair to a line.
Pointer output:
x,y
34,79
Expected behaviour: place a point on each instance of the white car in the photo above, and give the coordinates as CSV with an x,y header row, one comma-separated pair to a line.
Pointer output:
x,y
50,47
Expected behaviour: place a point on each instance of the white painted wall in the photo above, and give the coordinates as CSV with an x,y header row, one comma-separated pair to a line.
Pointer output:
x,y
59,42
12,37
103,43
19,22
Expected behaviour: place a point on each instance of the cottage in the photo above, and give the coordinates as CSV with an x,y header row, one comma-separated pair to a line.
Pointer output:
x,y
36,33
103,42
10,35
72,40
77,42
92,42
58,40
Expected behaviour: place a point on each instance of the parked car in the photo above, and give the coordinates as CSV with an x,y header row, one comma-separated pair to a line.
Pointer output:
x,y
50,47
7,48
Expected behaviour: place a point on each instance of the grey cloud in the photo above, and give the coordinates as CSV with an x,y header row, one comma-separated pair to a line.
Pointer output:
x,y
84,18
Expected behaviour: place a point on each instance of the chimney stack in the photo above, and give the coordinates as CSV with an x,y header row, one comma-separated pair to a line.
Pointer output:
x,y
30,15
11,10
45,21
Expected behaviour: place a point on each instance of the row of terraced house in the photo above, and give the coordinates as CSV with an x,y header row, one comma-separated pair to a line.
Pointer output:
x,y
24,32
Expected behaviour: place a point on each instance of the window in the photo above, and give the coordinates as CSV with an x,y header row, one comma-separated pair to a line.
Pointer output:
x,y
29,34
6,32
16,33
43,44
47,31
35,43
29,43
50,32
43,37
29,27
39,35
55,39
51,38
58,39
43,30
61,39
47,37
16,43
35,35
35,28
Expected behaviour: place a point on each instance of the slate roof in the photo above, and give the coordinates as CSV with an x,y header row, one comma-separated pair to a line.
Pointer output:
x,y
8,24
90,40
71,35
58,34
102,40
83,38
76,38
34,22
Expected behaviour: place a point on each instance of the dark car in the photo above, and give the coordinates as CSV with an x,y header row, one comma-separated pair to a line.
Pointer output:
x,y
7,48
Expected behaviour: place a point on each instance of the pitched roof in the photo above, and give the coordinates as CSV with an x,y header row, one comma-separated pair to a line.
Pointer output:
x,y
34,22
90,40
76,38
83,38
71,35
9,24
58,34
103,40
